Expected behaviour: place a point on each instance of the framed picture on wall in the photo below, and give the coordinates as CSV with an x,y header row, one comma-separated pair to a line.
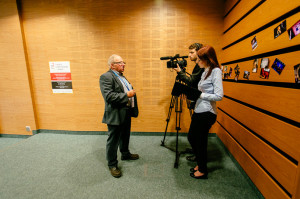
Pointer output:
x,y
297,73
230,72
226,75
254,43
225,69
237,72
294,30
265,70
265,73
278,66
255,66
264,62
246,74
280,29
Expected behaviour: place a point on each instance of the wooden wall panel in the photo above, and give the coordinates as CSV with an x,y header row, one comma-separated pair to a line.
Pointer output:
x,y
16,108
259,177
262,115
229,5
239,11
282,135
275,163
265,13
281,101
265,43
86,34
297,186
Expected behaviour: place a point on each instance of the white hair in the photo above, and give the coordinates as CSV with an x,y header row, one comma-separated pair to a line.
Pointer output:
x,y
111,59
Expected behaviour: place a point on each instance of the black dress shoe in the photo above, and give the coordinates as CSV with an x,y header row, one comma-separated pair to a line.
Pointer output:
x,y
198,177
115,172
191,158
130,157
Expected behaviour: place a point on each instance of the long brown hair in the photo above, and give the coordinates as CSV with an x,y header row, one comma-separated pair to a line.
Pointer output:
x,y
207,54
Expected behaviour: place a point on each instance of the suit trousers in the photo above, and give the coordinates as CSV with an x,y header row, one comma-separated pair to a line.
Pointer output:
x,y
198,137
118,136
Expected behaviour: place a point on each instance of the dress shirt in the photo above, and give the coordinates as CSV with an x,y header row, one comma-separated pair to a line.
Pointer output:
x,y
125,84
212,91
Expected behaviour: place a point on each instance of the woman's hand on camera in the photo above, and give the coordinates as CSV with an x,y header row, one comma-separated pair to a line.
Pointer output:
x,y
178,69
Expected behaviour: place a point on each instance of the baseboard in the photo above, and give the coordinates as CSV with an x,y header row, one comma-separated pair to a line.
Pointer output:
x,y
105,133
14,136
34,132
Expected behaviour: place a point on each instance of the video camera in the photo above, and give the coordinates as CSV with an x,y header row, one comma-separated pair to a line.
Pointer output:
x,y
173,61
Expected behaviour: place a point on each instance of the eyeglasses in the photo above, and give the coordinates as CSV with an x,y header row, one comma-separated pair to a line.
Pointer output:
x,y
120,62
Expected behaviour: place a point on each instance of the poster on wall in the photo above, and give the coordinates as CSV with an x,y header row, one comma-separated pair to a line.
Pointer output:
x,y
280,29
246,74
230,72
225,74
254,43
265,70
294,30
297,73
278,66
237,72
225,69
264,62
255,66
60,73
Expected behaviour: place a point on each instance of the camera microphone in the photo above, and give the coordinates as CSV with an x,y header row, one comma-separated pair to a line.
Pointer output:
x,y
165,58
175,57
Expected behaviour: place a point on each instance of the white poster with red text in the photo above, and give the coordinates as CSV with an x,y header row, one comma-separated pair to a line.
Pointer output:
x,y
60,73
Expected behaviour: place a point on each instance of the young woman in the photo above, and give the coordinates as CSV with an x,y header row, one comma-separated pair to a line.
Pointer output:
x,y
205,112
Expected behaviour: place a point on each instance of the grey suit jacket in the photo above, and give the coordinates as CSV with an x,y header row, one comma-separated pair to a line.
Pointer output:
x,y
115,99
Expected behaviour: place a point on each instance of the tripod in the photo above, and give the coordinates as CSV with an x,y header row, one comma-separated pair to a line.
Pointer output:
x,y
178,110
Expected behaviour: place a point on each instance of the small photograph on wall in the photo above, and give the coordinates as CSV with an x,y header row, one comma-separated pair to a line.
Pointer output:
x,y
226,75
255,66
246,74
237,72
297,73
294,30
254,43
230,72
264,62
278,66
280,29
225,69
265,70
265,73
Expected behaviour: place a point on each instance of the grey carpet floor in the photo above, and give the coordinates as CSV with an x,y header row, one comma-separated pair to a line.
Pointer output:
x,y
6,143
74,166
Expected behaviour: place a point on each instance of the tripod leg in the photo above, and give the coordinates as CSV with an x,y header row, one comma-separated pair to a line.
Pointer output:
x,y
178,109
173,99
177,153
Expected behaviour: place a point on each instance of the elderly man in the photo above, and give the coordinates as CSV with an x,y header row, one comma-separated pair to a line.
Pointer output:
x,y
120,105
